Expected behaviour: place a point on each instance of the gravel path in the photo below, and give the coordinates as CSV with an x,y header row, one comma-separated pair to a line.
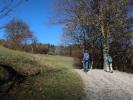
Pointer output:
x,y
100,85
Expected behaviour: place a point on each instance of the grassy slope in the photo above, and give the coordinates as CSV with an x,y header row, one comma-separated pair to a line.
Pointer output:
x,y
57,81
22,62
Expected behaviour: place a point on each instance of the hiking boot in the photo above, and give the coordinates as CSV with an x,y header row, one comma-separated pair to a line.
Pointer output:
x,y
111,71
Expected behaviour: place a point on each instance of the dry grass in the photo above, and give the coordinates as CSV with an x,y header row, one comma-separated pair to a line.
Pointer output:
x,y
56,80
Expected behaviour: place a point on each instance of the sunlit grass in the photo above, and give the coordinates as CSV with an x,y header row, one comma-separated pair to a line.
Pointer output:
x,y
56,81
22,62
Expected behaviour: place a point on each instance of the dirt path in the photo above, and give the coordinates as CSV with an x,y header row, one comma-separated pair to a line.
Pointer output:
x,y
100,85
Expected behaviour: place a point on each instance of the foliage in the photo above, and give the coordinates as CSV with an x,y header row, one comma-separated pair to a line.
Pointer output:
x,y
17,33
97,24
7,6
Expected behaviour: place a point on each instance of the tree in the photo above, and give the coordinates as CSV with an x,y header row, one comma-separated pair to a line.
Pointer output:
x,y
17,33
95,22
34,43
111,19
7,6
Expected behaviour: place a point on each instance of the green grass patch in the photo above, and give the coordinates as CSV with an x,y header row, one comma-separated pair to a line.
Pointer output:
x,y
56,81
22,62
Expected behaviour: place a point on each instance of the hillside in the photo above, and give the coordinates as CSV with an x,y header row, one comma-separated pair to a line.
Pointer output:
x,y
25,76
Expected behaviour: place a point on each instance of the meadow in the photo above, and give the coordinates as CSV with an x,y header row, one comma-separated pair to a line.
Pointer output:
x,y
44,77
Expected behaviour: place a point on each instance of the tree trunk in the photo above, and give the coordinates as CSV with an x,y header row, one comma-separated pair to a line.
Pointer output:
x,y
70,51
32,49
105,48
105,53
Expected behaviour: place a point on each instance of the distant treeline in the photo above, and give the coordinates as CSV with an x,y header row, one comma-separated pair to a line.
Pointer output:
x,y
122,58
40,48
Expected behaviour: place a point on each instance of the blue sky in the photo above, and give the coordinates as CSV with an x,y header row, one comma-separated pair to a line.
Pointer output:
x,y
37,14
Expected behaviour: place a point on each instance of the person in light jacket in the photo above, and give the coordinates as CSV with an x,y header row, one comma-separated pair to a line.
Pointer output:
x,y
85,61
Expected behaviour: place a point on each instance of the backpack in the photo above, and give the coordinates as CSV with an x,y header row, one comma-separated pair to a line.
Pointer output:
x,y
109,59
86,56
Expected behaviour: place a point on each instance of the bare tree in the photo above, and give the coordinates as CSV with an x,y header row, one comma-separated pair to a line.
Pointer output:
x,y
94,20
7,6
17,32
34,44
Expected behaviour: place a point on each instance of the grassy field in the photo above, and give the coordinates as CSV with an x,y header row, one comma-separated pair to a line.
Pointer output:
x,y
56,79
